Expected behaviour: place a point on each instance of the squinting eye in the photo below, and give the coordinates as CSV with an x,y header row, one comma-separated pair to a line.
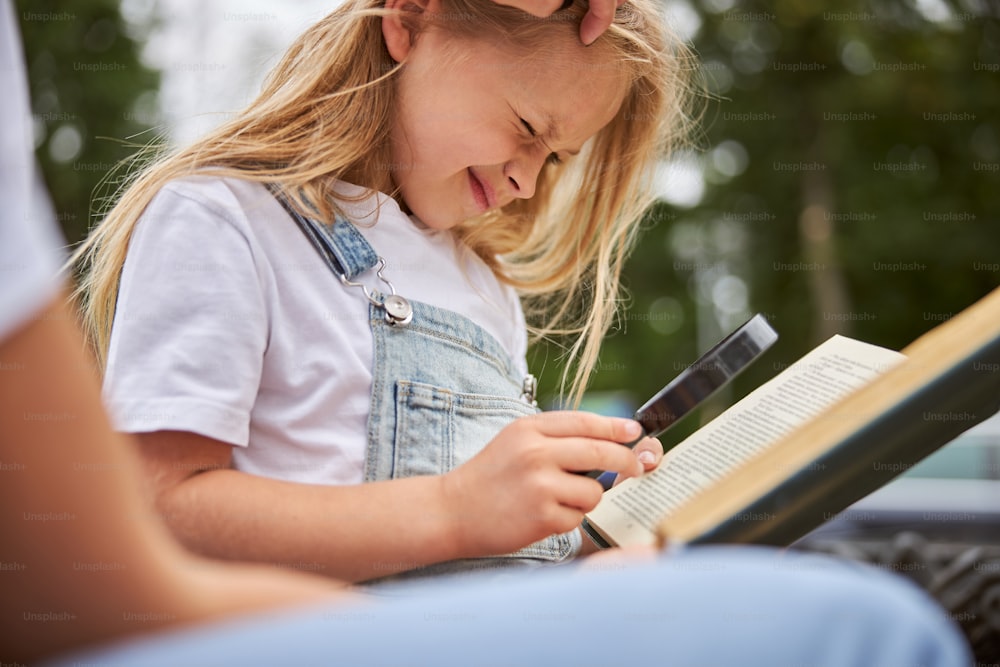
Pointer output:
x,y
552,159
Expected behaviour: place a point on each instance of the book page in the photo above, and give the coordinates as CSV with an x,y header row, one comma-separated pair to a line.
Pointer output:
x,y
629,513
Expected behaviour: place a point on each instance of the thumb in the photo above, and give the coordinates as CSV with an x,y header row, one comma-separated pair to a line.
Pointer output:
x,y
649,452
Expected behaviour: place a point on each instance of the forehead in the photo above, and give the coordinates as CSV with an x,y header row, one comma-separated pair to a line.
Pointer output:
x,y
567,90
567,87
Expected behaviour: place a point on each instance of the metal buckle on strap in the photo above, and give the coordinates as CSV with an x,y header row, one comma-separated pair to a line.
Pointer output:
x,y
529,389
398,311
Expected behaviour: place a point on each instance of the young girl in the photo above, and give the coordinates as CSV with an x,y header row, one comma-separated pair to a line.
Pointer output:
x,y
283,331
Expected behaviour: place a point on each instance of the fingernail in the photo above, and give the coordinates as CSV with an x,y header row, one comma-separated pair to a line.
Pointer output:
x,y
633,429
646,457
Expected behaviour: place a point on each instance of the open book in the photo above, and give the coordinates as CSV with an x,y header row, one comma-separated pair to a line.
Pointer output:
x,y
828,430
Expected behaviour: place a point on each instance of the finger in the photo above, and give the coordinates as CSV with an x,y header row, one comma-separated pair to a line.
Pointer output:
x,y
556,517
580,493
597,20
540,8
566,519
649,451
579,454
569,423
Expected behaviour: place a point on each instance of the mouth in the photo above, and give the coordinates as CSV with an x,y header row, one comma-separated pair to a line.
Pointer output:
x,y
482,192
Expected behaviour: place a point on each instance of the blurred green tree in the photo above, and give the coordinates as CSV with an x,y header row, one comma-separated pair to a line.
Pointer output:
x,y
851,155
91,97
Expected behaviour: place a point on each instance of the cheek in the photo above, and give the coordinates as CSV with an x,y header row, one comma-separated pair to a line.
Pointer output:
x,y
454,150
447,137
481,145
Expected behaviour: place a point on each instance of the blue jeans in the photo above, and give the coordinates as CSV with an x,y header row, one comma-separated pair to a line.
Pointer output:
x,y
702,606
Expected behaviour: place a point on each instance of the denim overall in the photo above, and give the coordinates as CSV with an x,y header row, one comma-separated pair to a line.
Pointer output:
x,y
442,388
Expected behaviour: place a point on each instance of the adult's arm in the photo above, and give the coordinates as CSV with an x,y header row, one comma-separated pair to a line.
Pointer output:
x,y
85,560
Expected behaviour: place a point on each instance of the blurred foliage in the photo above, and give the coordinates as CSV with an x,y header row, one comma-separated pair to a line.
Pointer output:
x,y
88,88
852,159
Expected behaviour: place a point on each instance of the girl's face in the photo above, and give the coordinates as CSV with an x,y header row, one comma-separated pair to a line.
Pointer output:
x,y
475,123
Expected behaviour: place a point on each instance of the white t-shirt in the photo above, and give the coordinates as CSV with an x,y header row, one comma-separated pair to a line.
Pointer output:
x,y
230,325
28,237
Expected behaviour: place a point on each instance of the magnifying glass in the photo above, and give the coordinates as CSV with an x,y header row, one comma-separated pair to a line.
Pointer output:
x,y
700,380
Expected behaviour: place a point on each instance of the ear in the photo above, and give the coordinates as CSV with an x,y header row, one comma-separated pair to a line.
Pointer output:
x,y
398,28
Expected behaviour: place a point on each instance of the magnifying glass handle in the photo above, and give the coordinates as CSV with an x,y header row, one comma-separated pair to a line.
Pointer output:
x,y
702,379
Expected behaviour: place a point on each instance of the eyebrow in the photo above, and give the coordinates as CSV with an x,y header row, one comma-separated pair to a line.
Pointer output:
x,y
555,131
552,126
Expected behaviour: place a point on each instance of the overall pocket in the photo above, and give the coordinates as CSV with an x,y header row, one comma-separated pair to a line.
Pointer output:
x,y
439,429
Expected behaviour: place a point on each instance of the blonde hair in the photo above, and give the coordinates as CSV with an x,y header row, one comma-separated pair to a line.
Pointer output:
x,y
563,250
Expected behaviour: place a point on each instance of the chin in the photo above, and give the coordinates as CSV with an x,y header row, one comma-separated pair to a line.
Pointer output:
x,y
438,221
435,223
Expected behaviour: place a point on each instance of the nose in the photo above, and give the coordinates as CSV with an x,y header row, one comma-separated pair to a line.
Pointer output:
x,y
522,172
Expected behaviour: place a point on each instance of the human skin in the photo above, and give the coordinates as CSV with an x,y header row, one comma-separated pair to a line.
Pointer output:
x,y
83,551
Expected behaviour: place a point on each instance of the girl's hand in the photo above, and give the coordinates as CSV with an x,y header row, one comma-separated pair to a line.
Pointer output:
x,y
597,20
521,487
649,452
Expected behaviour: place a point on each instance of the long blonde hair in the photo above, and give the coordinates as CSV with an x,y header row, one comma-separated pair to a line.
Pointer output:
x,y
563,250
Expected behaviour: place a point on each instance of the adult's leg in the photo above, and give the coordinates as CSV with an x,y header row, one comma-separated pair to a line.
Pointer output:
x,y
708,606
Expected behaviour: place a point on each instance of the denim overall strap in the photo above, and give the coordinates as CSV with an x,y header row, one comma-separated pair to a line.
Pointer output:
x,y
341,245
442,388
